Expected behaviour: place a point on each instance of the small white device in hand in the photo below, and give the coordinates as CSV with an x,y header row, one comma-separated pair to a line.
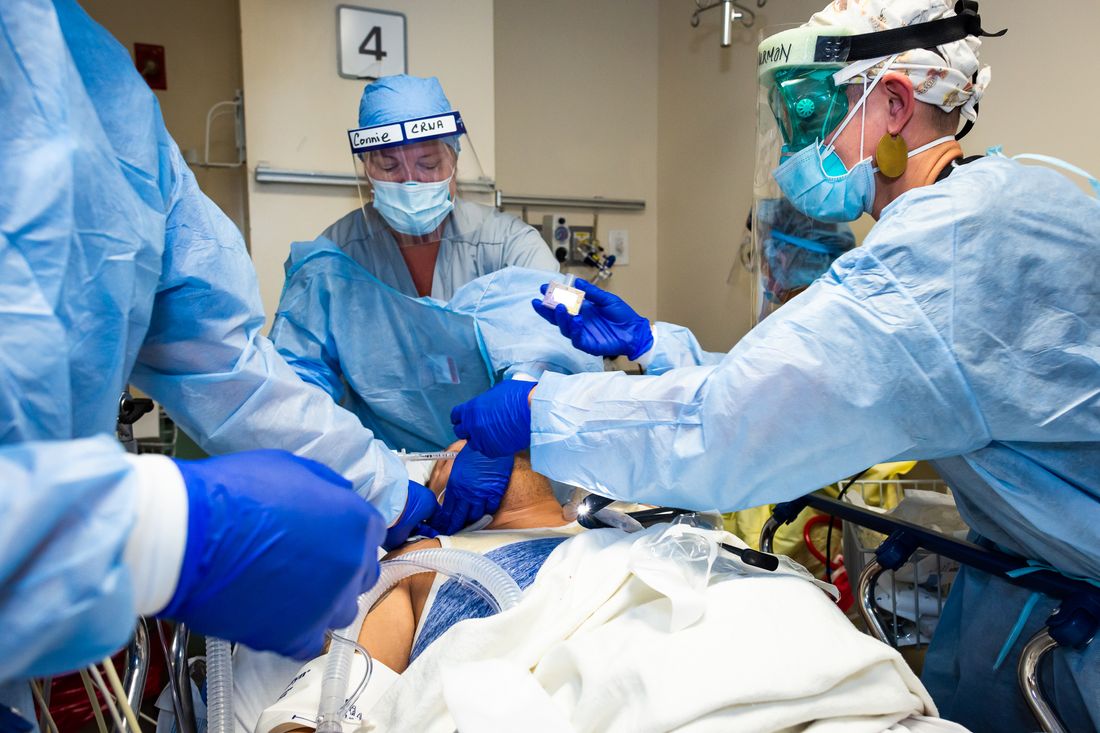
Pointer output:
x,y
564,294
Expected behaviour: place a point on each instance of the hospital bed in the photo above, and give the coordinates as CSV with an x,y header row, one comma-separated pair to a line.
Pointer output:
x,y
1073,624
905,543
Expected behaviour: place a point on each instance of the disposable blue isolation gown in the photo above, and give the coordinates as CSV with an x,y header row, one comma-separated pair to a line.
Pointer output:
x,y
477,240
113,263
966,330
400,362
673,347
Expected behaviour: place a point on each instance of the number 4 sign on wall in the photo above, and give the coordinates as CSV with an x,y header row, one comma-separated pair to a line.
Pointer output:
x,y
373,43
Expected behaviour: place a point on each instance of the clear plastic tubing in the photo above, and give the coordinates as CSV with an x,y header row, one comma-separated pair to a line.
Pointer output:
x,y
219,686
455,563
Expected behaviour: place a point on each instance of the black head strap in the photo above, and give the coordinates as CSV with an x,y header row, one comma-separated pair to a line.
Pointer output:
x,y
949,169
966,22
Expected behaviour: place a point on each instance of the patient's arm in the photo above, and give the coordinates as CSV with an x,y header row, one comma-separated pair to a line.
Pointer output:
x,y
387,633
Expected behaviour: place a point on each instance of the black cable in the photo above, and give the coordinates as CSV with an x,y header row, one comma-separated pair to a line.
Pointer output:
x,y
829,532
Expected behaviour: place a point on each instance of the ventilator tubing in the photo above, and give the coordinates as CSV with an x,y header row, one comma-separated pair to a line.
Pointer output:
x,y
219,686
477,572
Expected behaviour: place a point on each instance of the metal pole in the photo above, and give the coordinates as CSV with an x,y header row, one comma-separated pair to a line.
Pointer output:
x,y
137,667
1027,674
865,592
728,16
178,661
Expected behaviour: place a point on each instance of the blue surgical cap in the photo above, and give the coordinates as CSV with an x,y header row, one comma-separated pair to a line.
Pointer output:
x,y
399,98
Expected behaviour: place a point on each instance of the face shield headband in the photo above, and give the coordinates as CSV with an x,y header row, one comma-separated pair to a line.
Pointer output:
x,y
365,139
846,49
807,102
404,172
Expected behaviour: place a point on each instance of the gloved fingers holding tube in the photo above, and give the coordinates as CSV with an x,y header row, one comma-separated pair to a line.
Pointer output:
x,y
475,487
278,549
605,326
497,422
420,507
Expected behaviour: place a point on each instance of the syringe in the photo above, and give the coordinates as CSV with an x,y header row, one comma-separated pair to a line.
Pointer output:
x,y
437,455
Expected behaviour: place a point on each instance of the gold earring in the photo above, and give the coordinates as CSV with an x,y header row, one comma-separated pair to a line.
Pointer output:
x,y
892,155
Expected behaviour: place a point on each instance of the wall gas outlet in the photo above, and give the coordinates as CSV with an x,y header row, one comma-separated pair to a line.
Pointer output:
x,y
558,235
618,244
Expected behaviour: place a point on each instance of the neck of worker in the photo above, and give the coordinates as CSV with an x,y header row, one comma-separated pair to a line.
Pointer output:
x,y
922,170
414,240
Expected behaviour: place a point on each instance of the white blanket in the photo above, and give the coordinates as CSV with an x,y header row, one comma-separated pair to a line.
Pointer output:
x,y
592,647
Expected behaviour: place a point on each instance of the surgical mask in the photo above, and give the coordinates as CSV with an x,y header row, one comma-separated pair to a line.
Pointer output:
x,y
817,182
412,207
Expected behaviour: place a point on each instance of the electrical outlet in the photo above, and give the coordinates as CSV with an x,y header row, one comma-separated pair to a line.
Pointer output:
x,y
618,244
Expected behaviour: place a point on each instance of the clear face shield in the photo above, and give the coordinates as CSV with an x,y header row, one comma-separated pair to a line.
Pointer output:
x,y
798,105
409,175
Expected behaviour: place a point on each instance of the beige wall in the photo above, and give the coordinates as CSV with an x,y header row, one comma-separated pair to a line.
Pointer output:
x,y
621,98
1039,100
576,114
1036,103
707,122
298,109
202,46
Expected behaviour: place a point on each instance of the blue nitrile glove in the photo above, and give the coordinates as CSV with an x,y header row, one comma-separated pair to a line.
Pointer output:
x,y
419,508
278,550
497,422
474,489
606,325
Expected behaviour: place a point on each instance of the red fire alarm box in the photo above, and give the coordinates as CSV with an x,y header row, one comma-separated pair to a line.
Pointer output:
x,y
149,60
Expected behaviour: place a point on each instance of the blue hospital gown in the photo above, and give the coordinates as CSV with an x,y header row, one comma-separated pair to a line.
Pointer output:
x,y
454,602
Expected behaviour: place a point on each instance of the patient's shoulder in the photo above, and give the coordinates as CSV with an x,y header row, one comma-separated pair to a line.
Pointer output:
x,y
411,546
419,585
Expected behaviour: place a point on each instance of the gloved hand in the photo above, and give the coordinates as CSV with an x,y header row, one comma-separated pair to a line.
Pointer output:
x,y
606,325
278,550
419,508
497,422
474,489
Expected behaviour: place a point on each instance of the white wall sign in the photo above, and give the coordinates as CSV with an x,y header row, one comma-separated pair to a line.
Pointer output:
x,y
373,43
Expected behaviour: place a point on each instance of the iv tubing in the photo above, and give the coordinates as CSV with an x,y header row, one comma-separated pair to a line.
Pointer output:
x,y
94,701
356,646
438,455
107,696
120,695
36,690
455,563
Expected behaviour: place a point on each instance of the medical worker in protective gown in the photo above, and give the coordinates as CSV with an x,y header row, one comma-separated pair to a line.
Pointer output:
x,y
415,233
374,311
114,267
965,330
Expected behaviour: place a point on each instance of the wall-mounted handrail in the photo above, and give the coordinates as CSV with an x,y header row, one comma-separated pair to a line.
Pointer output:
x,y
267,174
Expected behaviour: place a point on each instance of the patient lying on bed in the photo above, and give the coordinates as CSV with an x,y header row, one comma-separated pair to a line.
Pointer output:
x,y
617,634
526,528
